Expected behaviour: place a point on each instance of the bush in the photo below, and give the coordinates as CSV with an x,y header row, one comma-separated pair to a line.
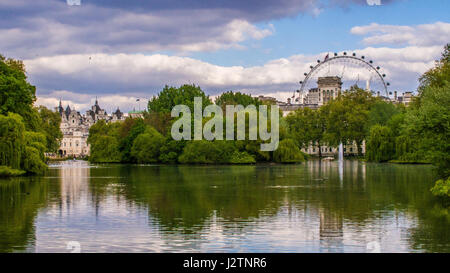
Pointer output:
x,y
171,150
441,188
104,149
380,145
6,171
242,158
146,146
207,152
32,161
288,152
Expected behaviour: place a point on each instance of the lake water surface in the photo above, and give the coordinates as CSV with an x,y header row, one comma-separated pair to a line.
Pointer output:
x,y
310,207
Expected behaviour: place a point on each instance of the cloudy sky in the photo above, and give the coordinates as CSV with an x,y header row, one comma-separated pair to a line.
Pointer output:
x,y
123,50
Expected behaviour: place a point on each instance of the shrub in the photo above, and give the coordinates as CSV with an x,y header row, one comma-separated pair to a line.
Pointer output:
x,y
380,145
146,146
207,152
441,188
242,158
288,152
6,171
104,149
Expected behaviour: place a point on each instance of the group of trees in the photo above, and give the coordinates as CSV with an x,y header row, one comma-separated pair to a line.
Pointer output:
x,y
418,133
149,140
26,132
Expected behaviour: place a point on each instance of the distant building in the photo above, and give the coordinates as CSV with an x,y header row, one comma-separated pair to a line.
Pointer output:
x,y
75,128
136,114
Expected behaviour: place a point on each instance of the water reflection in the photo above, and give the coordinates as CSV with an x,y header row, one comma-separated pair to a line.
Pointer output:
x,y
313,207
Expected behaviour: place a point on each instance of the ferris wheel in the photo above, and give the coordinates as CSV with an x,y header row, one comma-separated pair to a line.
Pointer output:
x,y
351,69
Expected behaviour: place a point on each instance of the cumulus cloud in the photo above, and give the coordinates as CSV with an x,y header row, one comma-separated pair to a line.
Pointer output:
x,y
51,27
420,35
138,75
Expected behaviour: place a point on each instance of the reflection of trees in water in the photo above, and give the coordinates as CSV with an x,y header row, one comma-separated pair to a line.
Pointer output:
x,y
183,199
20,199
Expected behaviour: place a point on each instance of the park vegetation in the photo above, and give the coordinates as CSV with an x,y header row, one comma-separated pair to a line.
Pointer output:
x,y
391,132
149,140
26,132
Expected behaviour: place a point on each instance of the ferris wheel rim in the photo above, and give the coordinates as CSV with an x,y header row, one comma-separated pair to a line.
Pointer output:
x,y
362,60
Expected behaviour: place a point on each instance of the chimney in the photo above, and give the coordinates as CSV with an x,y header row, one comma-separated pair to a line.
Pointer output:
x,y
378,93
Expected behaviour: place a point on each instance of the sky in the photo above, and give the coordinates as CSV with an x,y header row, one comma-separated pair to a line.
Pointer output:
x,y
119,51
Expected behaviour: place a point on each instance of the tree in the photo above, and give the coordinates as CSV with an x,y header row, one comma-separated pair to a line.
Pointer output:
x,y
129,130
236,98
12,140
171,96
288,152
381,113
346,117
307,127
104,149
16,94
50,126
380,144
428,118
21,149
146,146
207,152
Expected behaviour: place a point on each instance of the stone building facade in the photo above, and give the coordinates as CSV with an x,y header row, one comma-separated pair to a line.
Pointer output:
x,y
75,128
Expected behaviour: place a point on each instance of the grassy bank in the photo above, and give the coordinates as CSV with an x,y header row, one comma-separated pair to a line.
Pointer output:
x,y
6,171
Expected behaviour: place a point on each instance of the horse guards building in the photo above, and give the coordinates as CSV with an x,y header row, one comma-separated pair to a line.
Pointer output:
x,y
75,127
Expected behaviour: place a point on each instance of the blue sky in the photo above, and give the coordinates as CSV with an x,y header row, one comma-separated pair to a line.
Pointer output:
x,y
328,31
124,50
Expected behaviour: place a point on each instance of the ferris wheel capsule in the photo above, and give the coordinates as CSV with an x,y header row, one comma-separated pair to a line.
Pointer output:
x,y
354,54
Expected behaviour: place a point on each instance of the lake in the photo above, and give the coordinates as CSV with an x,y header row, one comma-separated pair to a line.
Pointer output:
x,y
312,207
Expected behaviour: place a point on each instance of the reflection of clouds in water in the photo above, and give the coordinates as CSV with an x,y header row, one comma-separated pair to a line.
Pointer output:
x,y
310,216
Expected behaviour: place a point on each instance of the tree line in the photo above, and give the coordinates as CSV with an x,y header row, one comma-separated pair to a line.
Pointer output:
x,y
391,132
26,132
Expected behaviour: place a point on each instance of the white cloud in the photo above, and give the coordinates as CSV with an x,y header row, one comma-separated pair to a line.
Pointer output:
x,y
120,78
421,35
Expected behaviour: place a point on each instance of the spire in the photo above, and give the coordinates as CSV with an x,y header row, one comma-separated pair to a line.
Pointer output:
x,y
96,102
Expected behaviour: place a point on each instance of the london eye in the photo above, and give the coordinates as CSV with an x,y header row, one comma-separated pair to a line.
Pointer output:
x,y
351,69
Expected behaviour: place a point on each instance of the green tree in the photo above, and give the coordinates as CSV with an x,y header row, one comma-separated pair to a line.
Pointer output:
x,y
346,117
104,149
207,152
130,129
16,94
307,127
380,144
236,98
12,140
171,96
428,118
288,152
50,125
146,146
381,113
